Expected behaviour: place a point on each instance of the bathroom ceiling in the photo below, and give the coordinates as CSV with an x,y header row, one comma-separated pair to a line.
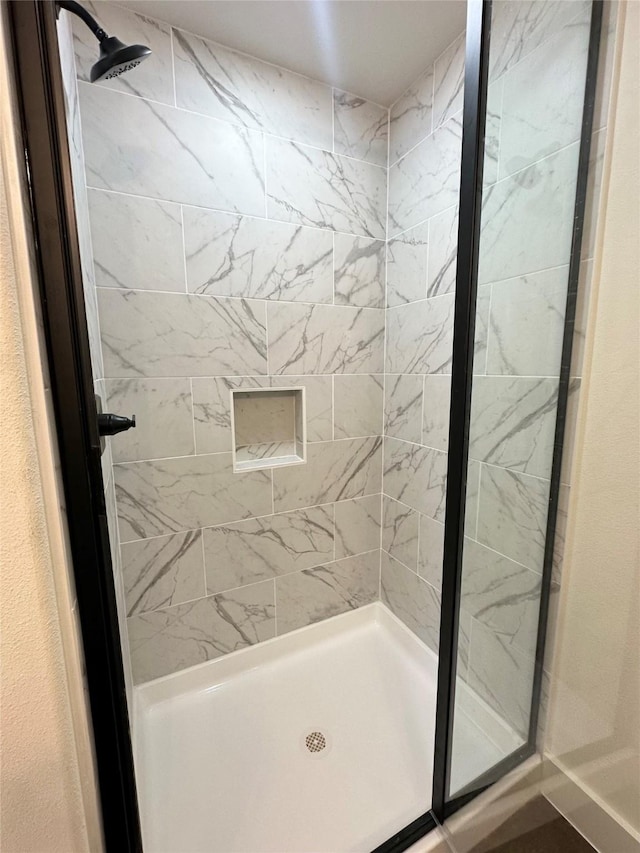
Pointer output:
x,y
373,48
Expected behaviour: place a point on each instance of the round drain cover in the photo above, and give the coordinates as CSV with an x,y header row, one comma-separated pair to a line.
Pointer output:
x,y
315,741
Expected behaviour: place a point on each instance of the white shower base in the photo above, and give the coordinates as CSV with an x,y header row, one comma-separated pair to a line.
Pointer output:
x,y
220,748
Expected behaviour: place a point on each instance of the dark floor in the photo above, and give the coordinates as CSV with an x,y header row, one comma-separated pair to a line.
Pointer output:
x,y
535,828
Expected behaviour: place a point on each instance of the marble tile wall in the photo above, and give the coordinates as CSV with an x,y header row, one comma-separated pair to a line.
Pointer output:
x,y
238,225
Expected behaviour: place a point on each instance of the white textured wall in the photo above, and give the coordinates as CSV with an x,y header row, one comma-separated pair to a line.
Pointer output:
x,y
594,727
46,783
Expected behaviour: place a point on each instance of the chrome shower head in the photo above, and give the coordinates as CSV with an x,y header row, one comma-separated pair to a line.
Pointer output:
x,y
115,56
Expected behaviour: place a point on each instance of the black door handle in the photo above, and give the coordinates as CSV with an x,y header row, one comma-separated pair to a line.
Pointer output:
x,y
112,424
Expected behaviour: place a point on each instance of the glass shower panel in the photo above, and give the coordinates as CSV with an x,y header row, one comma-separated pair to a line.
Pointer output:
x,y
537,72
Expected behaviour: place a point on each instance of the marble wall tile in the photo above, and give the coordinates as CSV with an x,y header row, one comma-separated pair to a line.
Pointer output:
x,y
435,414
316,594
518,28
170,495
400,532
501,595
164,417
513,422
211,407
482,330
166,334
416,476
214,80
148,237
229,255
153,78
431,551
420,336
357,525
359,271
312,187
443,252
522,310
141,147
493,131
361,128
264,418
527,219
306,339
165,641
261,548
410,118
544,97
512,515
448,82
412,599
407,266
501,675
562,518
358,402
472,499
403,407
335,471
163,571
427,180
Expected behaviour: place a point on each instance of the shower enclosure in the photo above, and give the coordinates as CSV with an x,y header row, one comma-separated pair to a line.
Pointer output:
x,y
314,579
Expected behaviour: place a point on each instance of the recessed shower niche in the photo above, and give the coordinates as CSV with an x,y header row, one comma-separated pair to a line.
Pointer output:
x,y
268,427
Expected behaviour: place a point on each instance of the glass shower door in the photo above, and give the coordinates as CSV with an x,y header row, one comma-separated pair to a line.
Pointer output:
x,y
527,266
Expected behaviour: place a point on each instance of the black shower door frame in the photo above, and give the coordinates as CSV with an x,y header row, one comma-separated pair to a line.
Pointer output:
x,y
32,25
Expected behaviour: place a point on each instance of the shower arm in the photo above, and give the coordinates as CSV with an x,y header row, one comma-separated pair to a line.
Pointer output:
x,y
81,12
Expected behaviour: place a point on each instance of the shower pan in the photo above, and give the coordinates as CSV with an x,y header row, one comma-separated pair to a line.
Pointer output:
x,y
337,305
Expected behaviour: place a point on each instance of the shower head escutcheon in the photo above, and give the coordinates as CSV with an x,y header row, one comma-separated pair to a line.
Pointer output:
x,y
115,57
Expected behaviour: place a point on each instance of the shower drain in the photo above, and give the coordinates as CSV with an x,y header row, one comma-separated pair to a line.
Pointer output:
x,y
315,742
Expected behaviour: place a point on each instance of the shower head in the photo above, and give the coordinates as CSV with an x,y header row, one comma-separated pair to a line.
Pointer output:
x,y
115,56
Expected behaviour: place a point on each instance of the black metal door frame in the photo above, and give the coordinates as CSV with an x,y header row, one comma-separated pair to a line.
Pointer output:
x,y
41,98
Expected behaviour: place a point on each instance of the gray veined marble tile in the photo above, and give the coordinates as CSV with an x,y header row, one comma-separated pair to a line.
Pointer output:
x,y
335,471
261,548
471,502
312,339
420,336
431,551
403,407
170,495
359,271
502,595
435,411
526,324
137,242
482,330
544,97
416,476
153,79
312,187
493,128
562,517
163,571
358,403
527,219
501,675
166,334
215,80
410,116
448,83
519,28
229,255
443,252
316,594
144,148
357,524
400,532
513,422
427,180
165,641
164,417
360,128
211,407
407,266
412,599
512,515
